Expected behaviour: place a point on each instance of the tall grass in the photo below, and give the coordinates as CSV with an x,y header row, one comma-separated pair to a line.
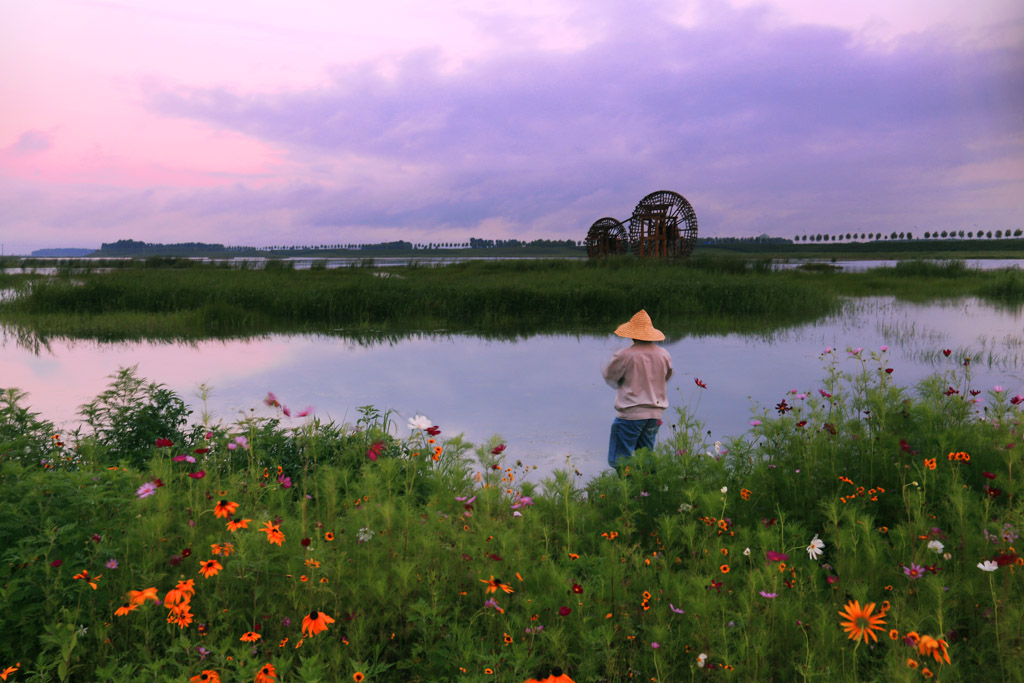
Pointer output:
x,y
691,565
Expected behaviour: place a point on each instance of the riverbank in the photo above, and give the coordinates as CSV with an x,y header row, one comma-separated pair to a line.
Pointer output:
x,y
163,546
502,298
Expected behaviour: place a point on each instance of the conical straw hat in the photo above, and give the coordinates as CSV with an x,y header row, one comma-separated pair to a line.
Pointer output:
x,y
639,327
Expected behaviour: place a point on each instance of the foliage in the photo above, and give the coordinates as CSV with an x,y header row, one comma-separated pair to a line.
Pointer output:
x,y
697,562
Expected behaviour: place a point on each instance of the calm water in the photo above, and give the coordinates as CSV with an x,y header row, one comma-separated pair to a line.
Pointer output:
x,y
544,394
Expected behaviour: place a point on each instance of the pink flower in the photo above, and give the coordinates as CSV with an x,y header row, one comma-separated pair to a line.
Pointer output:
x,y
777,557
271,400
285,482
284,409
308,410
146,490
375,450
769,596
111,564
824,394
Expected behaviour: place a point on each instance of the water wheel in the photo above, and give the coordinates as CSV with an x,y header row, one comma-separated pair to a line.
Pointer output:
x,y
663,225
607,237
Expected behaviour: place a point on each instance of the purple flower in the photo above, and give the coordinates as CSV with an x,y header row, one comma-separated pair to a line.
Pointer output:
x,y
655,645
676,609
111,564
914,571
493,604
285,482
146,490
755,423
770,596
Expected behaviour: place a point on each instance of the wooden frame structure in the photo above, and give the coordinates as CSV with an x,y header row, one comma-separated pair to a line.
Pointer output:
x,y
663,225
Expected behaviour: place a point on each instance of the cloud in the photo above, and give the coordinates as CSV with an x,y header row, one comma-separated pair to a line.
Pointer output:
x,y
764,127
31,142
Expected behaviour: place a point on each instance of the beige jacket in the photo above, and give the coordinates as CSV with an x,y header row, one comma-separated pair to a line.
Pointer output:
x,y
638,373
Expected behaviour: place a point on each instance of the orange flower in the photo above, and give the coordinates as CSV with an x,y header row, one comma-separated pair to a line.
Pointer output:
x,y
358,677
125,609
224,508
724,569
273,532
860,623
8,671
180,615
91,580
745,494
266,674
314,622
912,664
139,597
930,463
210,568
329,536
182,592
225,549
208,676
894,634
926,672
250,637
236,524
494,584
936,647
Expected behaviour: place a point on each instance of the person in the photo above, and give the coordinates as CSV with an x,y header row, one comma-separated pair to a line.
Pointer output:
x,y
639,374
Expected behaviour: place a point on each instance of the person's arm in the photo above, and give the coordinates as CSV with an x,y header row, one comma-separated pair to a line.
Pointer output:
x,y
614,371
668,361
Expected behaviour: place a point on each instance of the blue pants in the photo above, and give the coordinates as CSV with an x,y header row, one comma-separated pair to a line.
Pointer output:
x,y
628,436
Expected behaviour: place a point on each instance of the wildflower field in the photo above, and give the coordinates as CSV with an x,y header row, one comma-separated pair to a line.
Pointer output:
x,y
859,531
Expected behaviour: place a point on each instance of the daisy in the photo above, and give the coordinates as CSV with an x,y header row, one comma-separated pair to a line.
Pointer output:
x,y
860,623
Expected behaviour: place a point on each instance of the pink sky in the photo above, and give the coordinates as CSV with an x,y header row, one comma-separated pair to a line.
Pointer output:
x,y
322,122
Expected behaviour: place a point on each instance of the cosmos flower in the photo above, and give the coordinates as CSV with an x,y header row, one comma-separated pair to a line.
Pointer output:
x,y
146,490
988,566
815,547
419,422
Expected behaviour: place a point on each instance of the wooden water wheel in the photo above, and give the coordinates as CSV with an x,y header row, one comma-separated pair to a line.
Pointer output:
x,y
663,225
607,237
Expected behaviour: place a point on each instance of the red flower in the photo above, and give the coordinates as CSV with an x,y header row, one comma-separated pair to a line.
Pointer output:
x,y
576,588
888,371
946,352
988,475
717,585
783,407
375,450
164,443
201,451
498,449
197,475
433,431
696,380
564,611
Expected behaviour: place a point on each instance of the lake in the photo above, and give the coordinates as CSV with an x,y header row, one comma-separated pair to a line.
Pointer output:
x,y
543,394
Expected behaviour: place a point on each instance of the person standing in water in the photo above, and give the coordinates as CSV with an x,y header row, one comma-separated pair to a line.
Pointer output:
x,y
638,373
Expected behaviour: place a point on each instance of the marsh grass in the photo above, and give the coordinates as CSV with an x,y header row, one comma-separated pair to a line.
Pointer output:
x,y
676,551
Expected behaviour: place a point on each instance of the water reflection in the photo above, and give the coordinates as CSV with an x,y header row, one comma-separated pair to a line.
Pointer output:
x,y
543,394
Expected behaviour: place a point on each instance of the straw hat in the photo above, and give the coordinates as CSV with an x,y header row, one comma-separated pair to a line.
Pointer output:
x,y
639,327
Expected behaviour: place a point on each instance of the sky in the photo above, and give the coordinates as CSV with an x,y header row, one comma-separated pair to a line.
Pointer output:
x,y
259,122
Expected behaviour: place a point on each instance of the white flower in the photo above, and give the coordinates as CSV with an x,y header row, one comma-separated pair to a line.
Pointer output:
x,y
747,552
936,547
419,422
702,658
946,556
685,507
815,548
988,566
725,489
365,534
718,447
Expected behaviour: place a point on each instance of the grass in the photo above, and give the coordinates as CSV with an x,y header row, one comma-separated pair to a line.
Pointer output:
x,y
690,565
182,299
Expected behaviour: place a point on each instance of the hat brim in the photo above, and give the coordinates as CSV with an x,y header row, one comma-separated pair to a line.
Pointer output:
x,y
631,330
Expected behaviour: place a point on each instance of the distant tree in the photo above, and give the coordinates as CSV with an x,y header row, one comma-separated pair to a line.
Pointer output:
x,y
892,236
902,235
910,235
999,233
1017,232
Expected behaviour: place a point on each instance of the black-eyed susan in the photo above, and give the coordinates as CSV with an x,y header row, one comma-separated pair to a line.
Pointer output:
x,y
210,568
494,584
329,536
125,609
273,531
358,677
936,647
266,674
84,576
507,638
314,622
724,569
224,508
139,597
250,637
207,676
860,622
236,524
181,592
